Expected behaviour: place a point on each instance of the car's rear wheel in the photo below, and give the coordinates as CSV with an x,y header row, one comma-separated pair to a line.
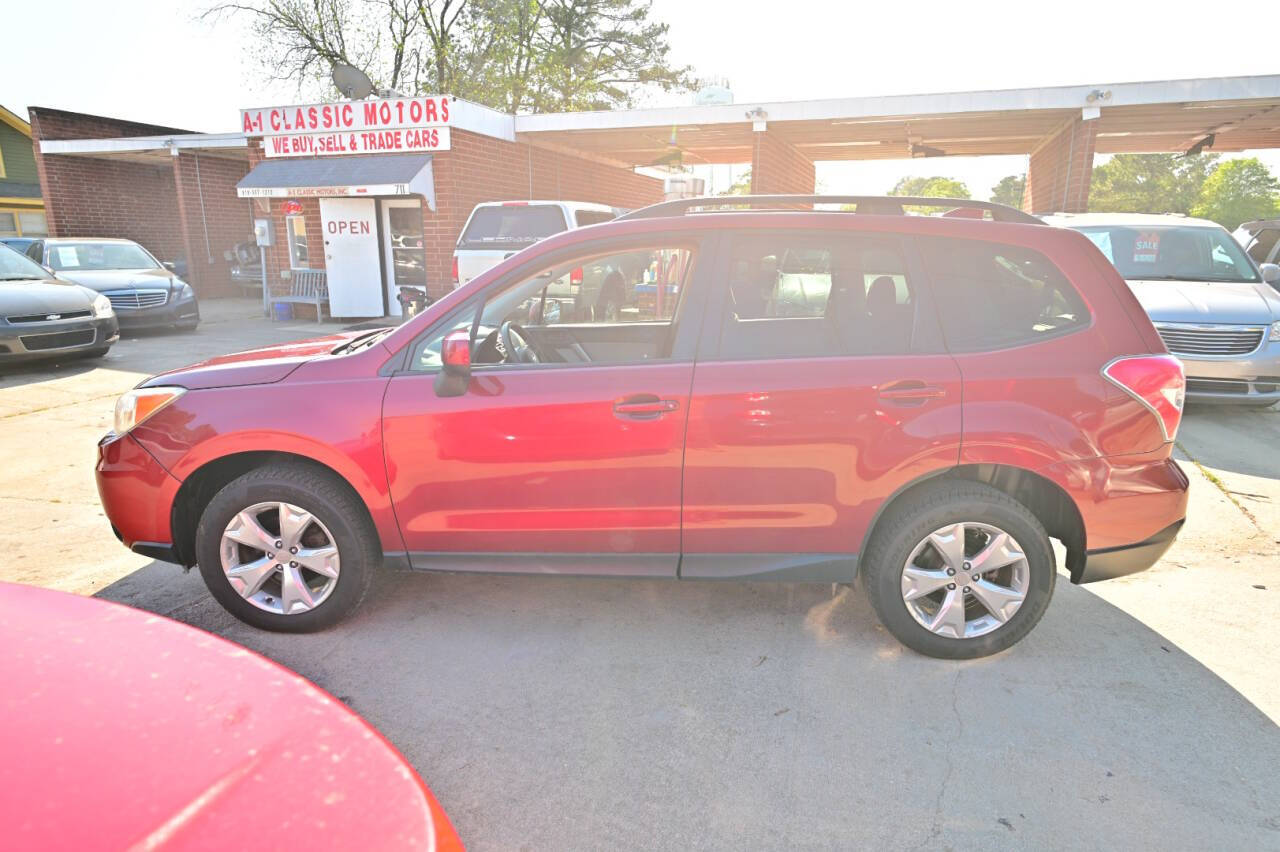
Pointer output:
x,y
288,548
959,570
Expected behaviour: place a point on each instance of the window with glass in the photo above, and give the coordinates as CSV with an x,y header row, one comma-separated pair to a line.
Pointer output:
x,y
295,228
614,308
33,224
816,295
8,224
1263,243
1172,252
993,296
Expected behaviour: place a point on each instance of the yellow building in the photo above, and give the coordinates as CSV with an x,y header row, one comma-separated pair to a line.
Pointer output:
x,y
21,204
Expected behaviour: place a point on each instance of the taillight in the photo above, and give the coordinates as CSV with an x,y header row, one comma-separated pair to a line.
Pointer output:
x,y
455,272
1156,381
575,276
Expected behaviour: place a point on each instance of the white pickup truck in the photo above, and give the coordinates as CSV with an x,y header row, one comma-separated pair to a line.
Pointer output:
x,y
495,230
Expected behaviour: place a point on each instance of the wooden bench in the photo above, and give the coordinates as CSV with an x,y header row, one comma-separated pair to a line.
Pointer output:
x,y
307,287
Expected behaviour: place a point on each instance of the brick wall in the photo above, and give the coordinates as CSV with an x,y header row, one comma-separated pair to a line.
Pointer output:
x,y
1061,170
157,204
778,167
212,218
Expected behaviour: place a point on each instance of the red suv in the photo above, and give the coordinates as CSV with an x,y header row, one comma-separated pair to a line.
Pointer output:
x,y
919,402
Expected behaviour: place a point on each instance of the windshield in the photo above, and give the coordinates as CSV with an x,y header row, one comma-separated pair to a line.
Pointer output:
x,y
1172,252
17,267
100,256
511,226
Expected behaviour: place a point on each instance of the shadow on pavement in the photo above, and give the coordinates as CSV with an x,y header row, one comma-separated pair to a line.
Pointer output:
x,y
550,712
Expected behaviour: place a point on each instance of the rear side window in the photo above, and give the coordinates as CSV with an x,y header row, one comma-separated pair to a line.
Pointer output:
x,y
993,296
511,226
795,295
592,217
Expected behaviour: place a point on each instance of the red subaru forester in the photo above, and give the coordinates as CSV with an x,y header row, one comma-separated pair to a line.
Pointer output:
x,y
919,402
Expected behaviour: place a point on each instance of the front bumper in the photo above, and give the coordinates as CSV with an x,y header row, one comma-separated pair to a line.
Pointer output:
x,y
1243,379
184,313
30,341
137,495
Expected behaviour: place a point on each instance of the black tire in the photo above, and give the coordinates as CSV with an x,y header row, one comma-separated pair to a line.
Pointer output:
x,y
935,506
332,503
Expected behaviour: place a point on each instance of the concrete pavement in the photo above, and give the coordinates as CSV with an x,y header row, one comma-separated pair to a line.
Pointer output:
x,y
573,714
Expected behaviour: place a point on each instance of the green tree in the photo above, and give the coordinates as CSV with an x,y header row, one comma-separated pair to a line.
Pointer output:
x,y
513,55
931,187
1009,190
1149,183
741,186
1237,191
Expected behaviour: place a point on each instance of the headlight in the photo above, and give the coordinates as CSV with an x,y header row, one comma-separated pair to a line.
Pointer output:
x,y
1274,336
184,290
102,307
139,404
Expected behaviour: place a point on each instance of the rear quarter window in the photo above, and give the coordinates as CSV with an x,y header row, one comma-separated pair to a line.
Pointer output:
x,y
995,296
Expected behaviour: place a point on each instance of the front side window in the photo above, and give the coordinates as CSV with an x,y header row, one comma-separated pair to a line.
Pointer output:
x,y
296,231
73,256
1263,243
993,296
615,308
1172,252
801,295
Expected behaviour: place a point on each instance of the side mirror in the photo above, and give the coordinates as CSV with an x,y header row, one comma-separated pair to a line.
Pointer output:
x,y
169,265
1270,273
455,360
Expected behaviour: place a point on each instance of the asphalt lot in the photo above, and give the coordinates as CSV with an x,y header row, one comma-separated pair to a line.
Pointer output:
x,y
573,714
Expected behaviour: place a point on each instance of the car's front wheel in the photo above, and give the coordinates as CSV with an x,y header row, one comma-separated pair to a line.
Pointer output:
x,y
287,547
959,570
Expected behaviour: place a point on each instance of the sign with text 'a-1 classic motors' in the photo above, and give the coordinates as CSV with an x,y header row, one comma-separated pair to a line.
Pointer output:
x,y
386,125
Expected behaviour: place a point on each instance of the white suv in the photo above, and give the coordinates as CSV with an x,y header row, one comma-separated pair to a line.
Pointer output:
x,y
495,230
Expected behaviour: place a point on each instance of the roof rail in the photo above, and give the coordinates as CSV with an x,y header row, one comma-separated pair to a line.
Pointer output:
x,y
883,205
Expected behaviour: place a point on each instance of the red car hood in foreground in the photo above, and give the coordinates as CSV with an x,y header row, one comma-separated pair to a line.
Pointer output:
x,y
254,366
120,729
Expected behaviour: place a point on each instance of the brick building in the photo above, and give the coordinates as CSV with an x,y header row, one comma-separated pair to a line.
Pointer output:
x,y
370,195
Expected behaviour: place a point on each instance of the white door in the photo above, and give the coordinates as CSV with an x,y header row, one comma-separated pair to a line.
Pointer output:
x,y
404,248
351,256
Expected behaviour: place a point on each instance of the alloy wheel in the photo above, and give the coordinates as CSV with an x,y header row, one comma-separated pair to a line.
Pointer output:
x,y
965,580
280,558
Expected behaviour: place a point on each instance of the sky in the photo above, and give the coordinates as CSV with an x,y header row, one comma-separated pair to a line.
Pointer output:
x,y
160,63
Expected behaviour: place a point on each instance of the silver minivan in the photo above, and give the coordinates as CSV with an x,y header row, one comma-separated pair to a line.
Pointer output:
x,y
1212,305
495,230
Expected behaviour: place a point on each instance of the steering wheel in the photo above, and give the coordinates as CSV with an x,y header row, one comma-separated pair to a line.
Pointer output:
x,y
516,345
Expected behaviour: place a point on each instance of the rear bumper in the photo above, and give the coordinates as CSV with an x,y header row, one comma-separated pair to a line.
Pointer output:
x,y
1115,562
137,495
1132,508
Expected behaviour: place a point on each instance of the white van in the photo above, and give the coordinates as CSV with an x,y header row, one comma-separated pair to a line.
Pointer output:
x,y
495,230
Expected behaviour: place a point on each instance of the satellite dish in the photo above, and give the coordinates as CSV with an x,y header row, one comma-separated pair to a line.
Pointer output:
x,y
351,81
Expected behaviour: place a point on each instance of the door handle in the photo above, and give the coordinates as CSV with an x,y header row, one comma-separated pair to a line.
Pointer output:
x,y
645,406
910,392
